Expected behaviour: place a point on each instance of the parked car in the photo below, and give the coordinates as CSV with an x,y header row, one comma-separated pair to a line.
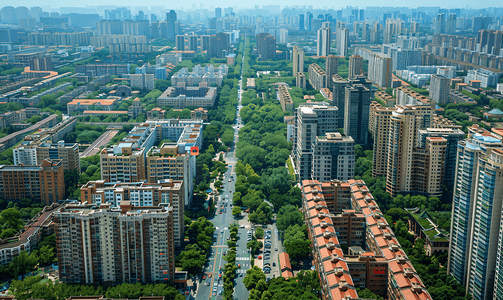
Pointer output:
x,y
274,264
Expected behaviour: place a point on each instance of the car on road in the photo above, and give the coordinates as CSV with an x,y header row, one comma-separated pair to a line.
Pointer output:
x,y
274,264
242,226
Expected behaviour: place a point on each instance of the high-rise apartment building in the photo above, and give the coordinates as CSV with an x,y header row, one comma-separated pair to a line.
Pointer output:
x,y
123,163
218,45
339,93
439,24
476,214
180,42
331,69
141,194
343,42
33,153
115,245
171,23
317,77
266,46
283,36
380,67
302,26
298,60
44,182
193,41
356,113
324,40
355,66
310,122
380,130
439,89
333,157
169,161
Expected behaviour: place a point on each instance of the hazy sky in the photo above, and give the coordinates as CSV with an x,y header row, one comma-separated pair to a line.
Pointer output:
x,y
226,3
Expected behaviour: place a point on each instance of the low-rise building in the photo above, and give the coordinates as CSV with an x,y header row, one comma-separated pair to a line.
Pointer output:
x,y
182,96
423,226
199,114
135,109
79,105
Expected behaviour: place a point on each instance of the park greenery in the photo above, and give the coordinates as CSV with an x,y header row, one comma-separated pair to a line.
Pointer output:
x,y
199,234
230,267
36,287
304,286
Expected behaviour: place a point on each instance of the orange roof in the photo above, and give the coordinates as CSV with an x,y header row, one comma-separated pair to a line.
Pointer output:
x,y
381,242
319,231
371,221
375,231
106,112
338,294
284,261
402,281
92,101
287,274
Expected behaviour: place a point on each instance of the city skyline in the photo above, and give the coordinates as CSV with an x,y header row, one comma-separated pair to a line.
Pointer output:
x,y
361,4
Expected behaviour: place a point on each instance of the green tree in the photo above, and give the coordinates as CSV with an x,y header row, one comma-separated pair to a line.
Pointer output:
x,y
252,277
236,211
259,233
288,215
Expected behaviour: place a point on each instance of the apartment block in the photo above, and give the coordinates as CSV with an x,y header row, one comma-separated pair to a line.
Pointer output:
x,y
332,69
99,70
380,67
266,46
333,157
108,245
335,278
476,213
310,122
370,271
410,168
208,74
169,161
284,98
298,60
350,228
380,129
406,96
300,80
44,182
141,194
324,40
439,89
355,66
339,85
403,280
356,113
317,77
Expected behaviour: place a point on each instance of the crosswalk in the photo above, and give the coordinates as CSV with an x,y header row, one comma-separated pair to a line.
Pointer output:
x,y
242,258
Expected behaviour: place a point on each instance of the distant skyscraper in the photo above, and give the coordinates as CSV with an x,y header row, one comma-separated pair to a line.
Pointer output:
x,y
451,24
283,36
356,114
298,60
171,22
324,40
153,18
193,42
309,20
362,14
343,42
180,42
218,12
266,46
439,89
439,23
301,22
331,68
355,66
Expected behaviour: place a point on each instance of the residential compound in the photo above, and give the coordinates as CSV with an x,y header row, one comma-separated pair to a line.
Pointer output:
x,y
181,96
209,74
105,245
475,257
139,194
284,98
137,159
413,150
382,266
34,152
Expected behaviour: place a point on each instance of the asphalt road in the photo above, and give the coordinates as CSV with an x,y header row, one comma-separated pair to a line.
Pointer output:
x,y
222,221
